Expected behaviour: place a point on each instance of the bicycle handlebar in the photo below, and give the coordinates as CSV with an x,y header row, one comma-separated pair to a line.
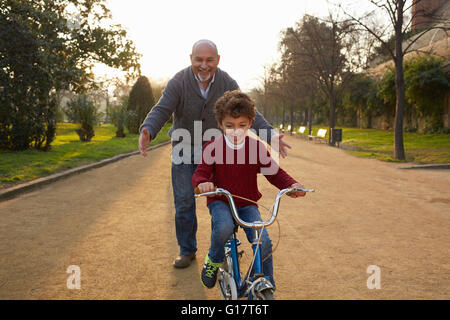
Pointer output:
x,y
256,224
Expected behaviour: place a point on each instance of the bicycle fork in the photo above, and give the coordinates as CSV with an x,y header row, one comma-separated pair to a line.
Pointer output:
x,y
233,244
229,274
259,282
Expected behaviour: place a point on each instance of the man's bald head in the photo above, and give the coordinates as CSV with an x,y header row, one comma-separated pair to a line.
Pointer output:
x,y
205,42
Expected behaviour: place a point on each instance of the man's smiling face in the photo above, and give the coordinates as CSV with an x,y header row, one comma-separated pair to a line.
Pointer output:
x,y
204,60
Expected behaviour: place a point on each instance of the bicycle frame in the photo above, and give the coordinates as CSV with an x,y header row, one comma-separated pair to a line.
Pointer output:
x,y
249,285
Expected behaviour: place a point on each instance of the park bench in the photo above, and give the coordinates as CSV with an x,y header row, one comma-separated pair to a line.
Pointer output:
x,y
301,131
320,136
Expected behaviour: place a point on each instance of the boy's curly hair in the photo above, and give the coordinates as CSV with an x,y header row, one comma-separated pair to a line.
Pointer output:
x,y
235,103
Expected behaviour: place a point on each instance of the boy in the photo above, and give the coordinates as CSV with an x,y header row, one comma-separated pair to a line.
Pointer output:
x,y
232,162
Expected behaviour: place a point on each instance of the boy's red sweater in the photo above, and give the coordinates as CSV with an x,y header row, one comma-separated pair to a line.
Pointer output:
x,y
238,177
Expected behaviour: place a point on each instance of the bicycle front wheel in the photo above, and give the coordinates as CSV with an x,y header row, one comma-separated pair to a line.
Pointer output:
x,y
267,295
227,286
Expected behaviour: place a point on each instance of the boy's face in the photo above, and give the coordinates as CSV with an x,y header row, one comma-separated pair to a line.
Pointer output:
x,y
235,129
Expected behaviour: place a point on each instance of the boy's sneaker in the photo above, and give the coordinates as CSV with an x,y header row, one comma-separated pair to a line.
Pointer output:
x,y
209,273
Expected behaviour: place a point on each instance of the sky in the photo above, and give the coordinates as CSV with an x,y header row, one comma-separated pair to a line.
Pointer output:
x,y
246,32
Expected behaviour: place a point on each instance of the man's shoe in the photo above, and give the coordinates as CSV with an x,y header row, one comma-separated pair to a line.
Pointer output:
x,y
183,261
209,273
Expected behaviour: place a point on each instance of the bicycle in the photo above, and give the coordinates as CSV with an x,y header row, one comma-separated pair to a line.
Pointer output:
x,y
254,285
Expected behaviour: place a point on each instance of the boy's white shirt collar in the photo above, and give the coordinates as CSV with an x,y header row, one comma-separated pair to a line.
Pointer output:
x,y
232,145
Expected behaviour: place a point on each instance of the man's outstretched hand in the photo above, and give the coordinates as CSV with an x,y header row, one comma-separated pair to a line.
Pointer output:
x,y
279,145
144,140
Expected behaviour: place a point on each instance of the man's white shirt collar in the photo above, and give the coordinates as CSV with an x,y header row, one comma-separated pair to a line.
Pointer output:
x,y
204,91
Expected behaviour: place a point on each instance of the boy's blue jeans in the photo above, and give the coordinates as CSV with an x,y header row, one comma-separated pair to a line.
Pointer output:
x,y
185,216
222,226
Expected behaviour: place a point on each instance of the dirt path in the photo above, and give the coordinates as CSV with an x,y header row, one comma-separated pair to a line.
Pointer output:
x,y
116,223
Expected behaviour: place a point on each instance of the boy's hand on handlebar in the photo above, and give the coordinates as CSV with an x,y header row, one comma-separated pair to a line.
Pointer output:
x,y
295,194
206,187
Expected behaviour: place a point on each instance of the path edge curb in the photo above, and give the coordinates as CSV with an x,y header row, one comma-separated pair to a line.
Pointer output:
x,y
22,188
436,166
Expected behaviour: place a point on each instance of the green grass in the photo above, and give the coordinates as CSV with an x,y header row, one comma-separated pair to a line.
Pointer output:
x,y
68,152
379,144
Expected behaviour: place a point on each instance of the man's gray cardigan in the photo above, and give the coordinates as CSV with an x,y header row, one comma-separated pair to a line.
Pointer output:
x,y
183,99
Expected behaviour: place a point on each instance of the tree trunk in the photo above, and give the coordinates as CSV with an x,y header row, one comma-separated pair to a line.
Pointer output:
x,y
332,118
369,120
292,118
310,118
399,150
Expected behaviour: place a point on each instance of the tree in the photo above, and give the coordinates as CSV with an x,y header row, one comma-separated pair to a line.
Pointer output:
x,y
140,103
360,98
426,84
82,110
26,105
47,46
324,46
297,87
300,79
118,115
387,93
274,95
399,24
261,95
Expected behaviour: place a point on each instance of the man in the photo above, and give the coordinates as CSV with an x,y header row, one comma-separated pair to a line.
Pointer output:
x,y
190,97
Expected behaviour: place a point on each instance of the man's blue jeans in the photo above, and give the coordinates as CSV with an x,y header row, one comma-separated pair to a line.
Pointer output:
x,y
222,226
185,216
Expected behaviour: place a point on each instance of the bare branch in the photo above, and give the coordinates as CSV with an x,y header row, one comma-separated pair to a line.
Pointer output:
x,y
387,7
369,30
391,11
